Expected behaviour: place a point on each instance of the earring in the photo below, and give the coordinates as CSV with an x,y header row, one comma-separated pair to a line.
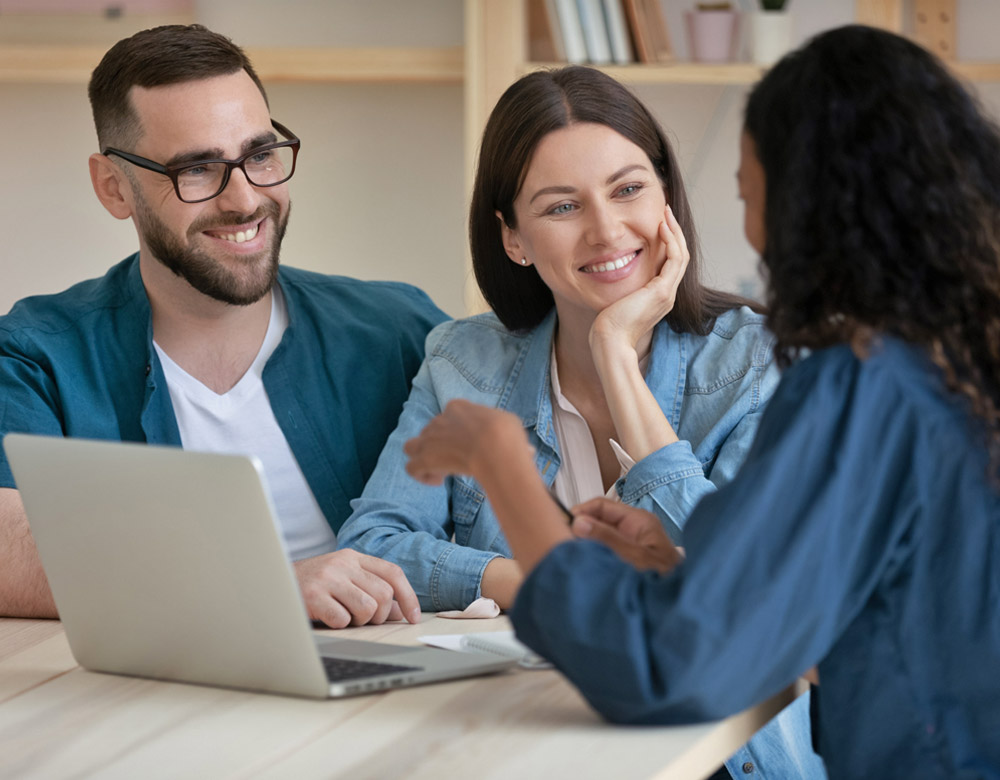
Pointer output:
x,y
524,261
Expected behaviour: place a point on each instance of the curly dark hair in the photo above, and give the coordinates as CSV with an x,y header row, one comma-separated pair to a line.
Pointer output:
x,y
882,177
531,108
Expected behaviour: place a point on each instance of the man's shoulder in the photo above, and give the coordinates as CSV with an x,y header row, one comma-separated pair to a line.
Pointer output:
x,y
367,315
73,307
365,295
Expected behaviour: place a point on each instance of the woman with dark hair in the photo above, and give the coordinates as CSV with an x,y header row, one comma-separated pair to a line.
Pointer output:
x,y
871,496
627,376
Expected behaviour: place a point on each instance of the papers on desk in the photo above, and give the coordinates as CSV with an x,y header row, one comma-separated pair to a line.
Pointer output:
x,y
480,608
496,642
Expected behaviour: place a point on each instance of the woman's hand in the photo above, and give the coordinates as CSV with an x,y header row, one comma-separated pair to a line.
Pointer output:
x,y
491,447
625,322
465,438
635,535
623,330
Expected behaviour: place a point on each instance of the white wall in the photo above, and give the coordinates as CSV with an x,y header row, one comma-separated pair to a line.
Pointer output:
x,y
705,122
379,192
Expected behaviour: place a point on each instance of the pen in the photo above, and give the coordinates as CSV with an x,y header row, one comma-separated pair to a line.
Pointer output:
x,y
561,505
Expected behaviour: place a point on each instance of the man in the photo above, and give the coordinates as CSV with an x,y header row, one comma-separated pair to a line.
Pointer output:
x,y
199,339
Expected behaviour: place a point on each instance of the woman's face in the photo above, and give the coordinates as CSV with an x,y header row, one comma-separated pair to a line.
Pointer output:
x,y
750,178
588,216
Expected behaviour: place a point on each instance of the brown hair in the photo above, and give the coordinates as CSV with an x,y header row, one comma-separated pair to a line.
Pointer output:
x,y
530,109
170,54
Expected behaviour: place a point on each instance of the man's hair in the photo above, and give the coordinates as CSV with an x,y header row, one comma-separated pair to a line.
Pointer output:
x,y
882,177
529,110
171,54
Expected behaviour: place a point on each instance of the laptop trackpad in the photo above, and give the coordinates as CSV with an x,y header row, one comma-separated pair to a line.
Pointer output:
x,y
353,648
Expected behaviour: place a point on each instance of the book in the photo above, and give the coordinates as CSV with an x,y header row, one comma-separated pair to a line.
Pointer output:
x,y
572,31
649,30
545,43
595,31
621,46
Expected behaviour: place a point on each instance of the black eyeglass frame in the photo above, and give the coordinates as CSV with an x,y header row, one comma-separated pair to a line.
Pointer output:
x,y
173,171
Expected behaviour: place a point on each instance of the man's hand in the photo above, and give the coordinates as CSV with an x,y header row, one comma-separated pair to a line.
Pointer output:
x,y
635,535
346,588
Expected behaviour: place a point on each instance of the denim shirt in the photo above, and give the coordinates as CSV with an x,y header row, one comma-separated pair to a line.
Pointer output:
x,y
711,388
874,527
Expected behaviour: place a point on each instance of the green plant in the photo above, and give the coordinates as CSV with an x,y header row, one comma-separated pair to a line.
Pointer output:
x,y
773,5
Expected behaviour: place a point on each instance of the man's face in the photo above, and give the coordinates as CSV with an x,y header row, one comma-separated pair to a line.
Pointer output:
x,y
227,247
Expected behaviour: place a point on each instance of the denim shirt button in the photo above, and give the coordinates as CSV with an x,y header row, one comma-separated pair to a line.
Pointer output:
x,y
748,768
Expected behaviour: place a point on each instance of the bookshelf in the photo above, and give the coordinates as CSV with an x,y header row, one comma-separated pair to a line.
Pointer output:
x,y
497,54
494,55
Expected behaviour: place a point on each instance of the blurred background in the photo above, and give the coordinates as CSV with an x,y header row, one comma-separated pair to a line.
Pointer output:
x,y
380,93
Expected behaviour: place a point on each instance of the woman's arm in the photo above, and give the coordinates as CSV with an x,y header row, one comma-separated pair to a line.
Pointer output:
x,y
617,334
490,446
410,524
673,480
778,563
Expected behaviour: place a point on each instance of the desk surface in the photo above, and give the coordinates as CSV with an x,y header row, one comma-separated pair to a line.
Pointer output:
x,y
58,720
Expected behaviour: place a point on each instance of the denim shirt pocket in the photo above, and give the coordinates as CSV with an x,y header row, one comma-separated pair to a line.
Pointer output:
x,y
475,524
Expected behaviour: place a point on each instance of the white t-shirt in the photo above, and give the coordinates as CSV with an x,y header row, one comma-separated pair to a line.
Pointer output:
x,y
242,422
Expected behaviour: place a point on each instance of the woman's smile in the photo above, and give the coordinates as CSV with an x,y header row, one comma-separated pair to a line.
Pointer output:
x,y
607,266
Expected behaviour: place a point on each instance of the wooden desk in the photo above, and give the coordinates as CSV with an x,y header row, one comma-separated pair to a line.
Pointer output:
x,y
58,720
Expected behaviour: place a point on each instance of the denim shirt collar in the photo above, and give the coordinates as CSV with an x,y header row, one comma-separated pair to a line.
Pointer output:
x,y
668,359
527,393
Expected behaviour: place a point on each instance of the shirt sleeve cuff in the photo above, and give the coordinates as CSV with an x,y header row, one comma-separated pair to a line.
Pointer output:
x,y
669,482
456,580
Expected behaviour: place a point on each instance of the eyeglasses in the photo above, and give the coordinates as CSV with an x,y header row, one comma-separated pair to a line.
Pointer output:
x,y
266,166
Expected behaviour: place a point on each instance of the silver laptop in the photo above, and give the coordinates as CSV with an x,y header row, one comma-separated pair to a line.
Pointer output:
x,y
169,564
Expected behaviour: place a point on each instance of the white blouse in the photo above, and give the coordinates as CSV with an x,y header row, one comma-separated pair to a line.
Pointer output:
x,y
579,477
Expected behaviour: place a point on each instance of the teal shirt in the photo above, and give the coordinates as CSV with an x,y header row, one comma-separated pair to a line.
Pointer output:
x,y
81,363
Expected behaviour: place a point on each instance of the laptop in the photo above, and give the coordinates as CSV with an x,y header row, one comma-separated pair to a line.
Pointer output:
x,y
170,564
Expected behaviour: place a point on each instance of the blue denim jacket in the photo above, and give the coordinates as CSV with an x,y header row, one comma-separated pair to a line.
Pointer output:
x,y
711,388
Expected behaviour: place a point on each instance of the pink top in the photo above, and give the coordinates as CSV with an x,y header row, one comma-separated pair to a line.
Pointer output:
x,y
579,477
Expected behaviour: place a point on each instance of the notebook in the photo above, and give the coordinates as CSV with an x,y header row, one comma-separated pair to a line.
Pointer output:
x,y
170,564
499,642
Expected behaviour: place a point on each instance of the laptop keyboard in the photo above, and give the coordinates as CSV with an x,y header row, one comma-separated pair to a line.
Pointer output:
x,y
339,669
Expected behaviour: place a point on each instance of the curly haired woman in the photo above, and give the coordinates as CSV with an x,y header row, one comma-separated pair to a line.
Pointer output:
x,y
862,534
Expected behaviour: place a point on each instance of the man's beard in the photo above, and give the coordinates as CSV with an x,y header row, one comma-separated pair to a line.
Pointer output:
x,y
203,272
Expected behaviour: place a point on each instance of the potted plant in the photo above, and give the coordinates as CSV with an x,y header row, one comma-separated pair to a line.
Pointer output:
x,y
770,32
712,31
